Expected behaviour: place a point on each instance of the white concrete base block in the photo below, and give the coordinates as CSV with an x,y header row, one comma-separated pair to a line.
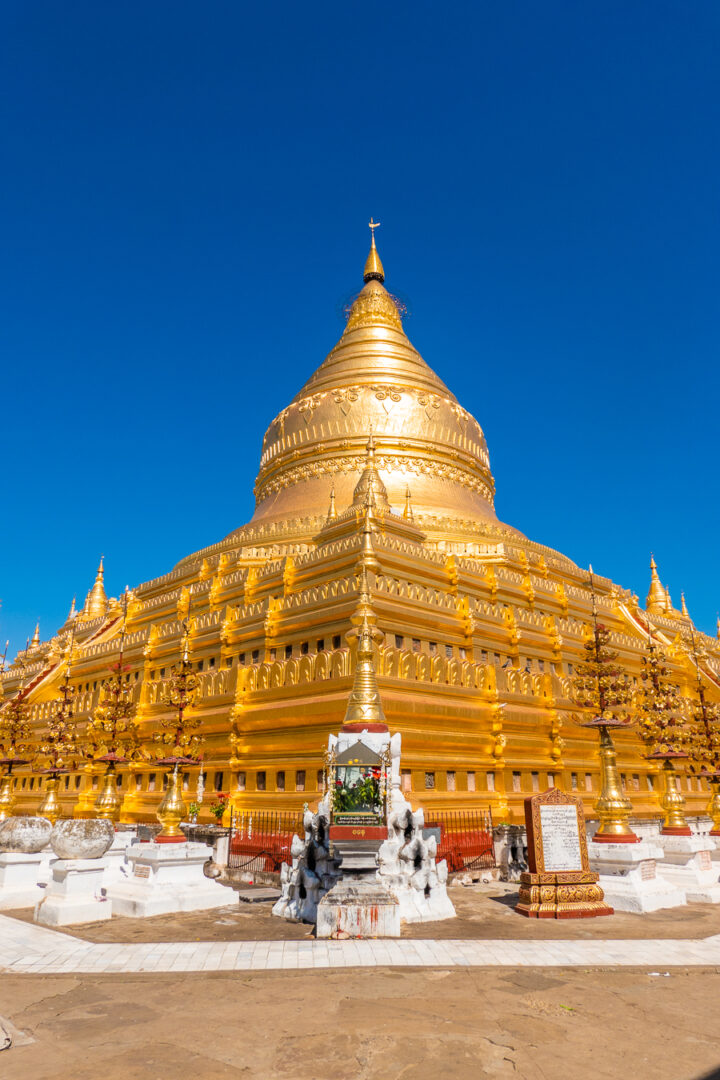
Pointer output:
x,y
358,910
49,858
118,868
688,865
19,873
74,894
164,878
629,878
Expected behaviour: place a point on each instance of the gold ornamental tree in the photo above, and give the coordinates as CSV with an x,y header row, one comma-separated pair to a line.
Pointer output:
x,y
703,741
15,747
603,690
178,741
59,748
664,729
112,736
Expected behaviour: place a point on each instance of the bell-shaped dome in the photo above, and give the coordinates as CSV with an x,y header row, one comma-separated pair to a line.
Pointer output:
x,y
375,382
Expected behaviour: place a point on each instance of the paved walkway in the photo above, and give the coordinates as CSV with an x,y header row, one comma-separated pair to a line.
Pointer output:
x,y
34,949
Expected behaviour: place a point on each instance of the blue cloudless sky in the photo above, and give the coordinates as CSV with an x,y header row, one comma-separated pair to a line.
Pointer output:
x,y
184,193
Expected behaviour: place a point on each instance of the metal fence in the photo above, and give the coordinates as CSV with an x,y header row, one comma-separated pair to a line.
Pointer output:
x,y
466,838
262,840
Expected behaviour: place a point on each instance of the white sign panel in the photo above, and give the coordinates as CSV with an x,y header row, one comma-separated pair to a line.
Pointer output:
x,y
560,838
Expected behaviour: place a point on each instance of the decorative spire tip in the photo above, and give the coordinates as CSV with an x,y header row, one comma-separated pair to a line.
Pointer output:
x,y
373,267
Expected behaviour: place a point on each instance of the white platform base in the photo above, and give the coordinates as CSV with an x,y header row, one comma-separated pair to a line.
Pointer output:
x,y
163,878
358,910
74,894
629,878
19,874
118,868
688,865
49,858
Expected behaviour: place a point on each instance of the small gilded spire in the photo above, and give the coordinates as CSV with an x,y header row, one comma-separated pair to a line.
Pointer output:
x,y
668,602
368,558
408,512
656,599
332,512
683,606
364,704
36,637
73,610
373,266
718,627
370,487
96,602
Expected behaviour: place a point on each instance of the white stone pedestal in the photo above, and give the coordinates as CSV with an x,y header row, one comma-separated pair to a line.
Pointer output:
x,y
688,865
117,866
48,860
74,894
163,878
19,873
358,910
629,878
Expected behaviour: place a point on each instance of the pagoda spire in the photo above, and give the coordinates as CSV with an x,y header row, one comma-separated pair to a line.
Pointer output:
x,y
368,558
96,601
370,486
683,606
72,612
364,705
332,512
718,627
373,267
408,512
656,599
668,602
36,636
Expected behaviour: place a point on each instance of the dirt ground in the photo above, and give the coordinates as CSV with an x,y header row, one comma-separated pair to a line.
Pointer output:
x,y
483,912
374,1024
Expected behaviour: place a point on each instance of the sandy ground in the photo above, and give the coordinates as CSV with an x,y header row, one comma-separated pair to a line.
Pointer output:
x,y
483,912
373,1024
382,1024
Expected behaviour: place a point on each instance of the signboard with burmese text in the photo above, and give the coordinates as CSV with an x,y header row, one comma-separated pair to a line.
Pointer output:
x,y
557,842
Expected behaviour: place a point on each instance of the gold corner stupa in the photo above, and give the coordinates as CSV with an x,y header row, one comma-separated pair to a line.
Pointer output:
x,y
374,582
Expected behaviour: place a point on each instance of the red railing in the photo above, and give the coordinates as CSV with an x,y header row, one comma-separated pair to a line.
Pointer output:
x,y
262,840
466,838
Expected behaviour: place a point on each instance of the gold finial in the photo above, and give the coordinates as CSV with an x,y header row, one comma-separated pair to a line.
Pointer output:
x,y
373,267
656,600
332,512
668,601
364,703
368,558
408,512
683,606
718,626
370,489
73,611
96,602
36,636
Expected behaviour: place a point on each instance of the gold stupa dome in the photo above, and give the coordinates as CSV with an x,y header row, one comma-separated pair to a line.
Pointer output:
x,y
375,381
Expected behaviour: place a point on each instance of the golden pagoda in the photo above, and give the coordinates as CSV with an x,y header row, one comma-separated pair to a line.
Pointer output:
x,y
477,628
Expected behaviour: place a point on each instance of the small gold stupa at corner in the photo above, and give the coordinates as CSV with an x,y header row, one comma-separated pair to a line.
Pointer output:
x,y
374,560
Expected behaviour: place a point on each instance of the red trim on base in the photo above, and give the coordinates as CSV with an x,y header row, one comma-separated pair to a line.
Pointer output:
x,y
170,840
686,831
629,839
715,832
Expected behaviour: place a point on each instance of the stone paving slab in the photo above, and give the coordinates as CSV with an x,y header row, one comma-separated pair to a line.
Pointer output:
x,y
32,949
